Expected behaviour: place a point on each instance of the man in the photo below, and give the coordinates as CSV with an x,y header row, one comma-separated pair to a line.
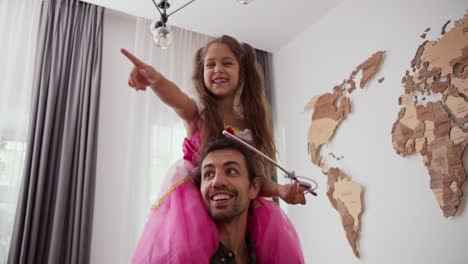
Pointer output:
x,y
228,183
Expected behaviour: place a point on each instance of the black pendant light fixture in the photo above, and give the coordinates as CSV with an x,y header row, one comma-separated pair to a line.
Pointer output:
x,y
162,37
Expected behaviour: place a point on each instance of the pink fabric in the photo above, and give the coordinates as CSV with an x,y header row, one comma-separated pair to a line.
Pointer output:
x,y
274,237
190,146
180,230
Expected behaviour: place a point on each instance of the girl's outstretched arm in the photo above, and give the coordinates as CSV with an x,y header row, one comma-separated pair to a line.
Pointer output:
x,y
144,75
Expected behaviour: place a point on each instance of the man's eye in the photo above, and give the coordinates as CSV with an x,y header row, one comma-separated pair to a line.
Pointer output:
x,y
208,174
231,171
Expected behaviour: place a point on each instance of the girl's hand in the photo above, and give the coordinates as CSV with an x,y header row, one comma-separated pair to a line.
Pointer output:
x,y
142,75
291,193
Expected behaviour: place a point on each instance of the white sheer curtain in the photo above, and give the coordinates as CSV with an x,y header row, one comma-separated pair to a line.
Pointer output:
x,y
155,132
18,31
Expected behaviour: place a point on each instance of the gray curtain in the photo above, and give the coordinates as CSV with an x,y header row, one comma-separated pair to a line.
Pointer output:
x,y
265,61
54,215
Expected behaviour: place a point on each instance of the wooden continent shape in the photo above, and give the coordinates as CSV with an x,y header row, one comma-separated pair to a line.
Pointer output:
x,y
330,109
437,130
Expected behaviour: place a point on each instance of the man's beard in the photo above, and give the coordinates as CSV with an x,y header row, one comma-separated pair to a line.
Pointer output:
x,y
231,212
226,216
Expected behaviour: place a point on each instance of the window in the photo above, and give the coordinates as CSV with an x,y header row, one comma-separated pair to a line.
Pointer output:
x,y
166,149
12,155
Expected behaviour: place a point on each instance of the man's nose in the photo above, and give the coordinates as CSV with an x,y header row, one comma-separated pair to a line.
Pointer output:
x,y
219,179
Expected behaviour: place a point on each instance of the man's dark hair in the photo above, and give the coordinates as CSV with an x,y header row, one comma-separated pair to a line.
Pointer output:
x,y
221,144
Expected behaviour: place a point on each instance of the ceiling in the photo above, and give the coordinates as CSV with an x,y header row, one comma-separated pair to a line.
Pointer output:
x,y
265,24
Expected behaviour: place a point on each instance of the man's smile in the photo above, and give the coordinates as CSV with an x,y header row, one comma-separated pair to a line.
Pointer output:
x,y
220,198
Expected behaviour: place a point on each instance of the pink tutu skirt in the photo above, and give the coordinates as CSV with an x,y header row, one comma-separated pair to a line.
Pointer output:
x,y
180,230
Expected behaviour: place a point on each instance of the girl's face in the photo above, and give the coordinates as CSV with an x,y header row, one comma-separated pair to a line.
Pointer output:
x,y
221,70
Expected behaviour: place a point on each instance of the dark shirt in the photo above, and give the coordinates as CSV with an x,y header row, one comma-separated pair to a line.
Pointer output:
x,y
225,256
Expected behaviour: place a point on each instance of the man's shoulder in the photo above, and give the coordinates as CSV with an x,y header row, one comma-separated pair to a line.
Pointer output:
x,y
252,257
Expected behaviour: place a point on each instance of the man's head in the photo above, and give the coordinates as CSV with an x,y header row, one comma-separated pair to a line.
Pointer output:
x,y
227,179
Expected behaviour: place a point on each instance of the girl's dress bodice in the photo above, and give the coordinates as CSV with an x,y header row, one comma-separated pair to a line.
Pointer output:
x,y
190,146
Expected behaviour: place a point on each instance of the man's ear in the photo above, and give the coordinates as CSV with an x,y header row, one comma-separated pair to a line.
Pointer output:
x,y
255,188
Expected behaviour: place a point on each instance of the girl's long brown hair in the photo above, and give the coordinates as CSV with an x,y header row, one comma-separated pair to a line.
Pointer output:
x,y
253,99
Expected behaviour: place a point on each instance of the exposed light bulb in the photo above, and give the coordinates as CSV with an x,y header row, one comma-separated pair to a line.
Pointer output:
x,y
245,2
162,37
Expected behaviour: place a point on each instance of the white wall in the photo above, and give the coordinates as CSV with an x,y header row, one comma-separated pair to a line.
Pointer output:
x,y
402,222
106,244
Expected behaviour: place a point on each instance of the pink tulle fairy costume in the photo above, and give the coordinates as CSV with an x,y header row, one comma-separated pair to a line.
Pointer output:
x,y
180,230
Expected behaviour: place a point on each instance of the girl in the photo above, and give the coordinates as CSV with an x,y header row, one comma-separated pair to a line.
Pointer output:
x,y
231,93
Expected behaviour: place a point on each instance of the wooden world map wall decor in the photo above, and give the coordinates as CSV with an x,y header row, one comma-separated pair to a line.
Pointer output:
x,y
433,122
